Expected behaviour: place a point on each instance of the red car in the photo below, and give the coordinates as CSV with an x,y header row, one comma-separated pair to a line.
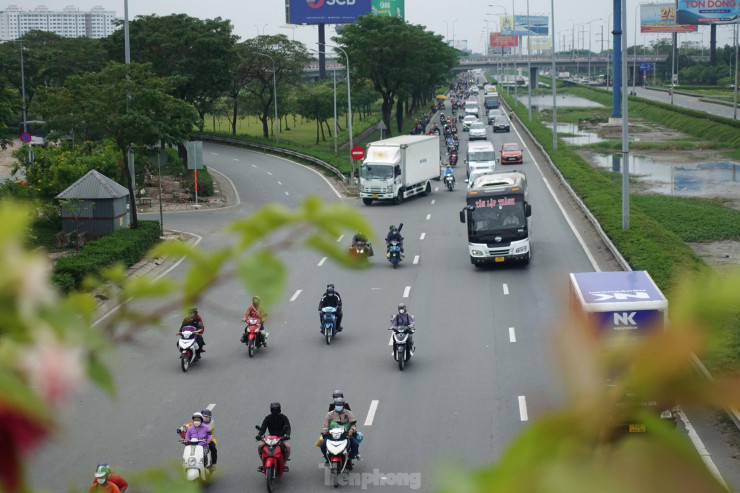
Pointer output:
x,y
511,153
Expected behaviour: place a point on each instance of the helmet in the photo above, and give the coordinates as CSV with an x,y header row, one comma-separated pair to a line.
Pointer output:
x,y
448,166
256,301
207,415
194,309
102,470
402,308
337,393
275,408
392,227
197,415
339,403
329,288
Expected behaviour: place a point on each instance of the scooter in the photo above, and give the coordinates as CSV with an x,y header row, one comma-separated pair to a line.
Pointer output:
x,y
196,461
337,451
252,335
360,251
394,253
273,461
449,182
188,346
329,322
453,158
401,352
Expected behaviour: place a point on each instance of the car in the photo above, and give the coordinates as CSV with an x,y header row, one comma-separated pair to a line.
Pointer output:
x,y
477,174
493,113
477,131
511,153
501,124
467,121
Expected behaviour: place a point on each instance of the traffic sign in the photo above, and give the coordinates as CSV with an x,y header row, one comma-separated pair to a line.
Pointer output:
x,y
357,153
645,66
25,137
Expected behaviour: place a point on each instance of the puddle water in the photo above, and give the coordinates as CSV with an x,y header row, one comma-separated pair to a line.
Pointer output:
x,y
581,137
708,179
539,102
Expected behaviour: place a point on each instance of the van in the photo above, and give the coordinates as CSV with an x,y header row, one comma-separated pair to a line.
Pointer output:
x,y
481,156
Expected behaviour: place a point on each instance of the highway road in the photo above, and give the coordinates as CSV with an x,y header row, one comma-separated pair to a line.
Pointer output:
x,y
483,366
685,101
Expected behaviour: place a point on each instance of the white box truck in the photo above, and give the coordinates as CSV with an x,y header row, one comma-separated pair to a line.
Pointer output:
x,y
400,167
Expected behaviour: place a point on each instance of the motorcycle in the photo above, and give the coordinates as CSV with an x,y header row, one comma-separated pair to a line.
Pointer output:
x,y
337,451
450,182
401,353
252,335
196,460
188,346
329,322
454,129
360,251
453,158
394,253
273,461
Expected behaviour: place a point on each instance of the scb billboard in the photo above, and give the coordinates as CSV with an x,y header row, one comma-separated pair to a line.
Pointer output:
x,y
325,11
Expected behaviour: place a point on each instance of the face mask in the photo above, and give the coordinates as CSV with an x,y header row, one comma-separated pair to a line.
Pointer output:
x,y
196,423
338,408
401,311
206,420
101,480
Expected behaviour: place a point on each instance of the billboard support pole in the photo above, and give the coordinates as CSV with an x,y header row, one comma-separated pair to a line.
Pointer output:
x,y
734,103
625,133
554,83
322,52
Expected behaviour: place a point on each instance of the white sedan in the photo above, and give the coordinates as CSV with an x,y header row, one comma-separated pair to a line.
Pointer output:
x,y
477,131
467,121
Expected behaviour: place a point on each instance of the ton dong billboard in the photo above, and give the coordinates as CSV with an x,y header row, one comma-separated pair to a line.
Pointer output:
x,y
708,11
325,11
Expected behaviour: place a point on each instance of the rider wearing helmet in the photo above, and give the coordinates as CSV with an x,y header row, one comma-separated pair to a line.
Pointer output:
x,y
404,319
255,310
277,424
361,238
195,320
208,420
342,416
331,298
200,431
338,393
106,481
393,234
450,172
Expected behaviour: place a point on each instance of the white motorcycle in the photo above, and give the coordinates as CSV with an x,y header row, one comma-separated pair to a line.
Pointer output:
x,y
337,451
449,182
188,346
402,351
196,461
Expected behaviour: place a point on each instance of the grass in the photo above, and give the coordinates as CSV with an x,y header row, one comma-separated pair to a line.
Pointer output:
x,y
43,232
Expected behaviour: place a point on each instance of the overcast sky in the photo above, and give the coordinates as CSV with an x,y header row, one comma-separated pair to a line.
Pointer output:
x,y
467,16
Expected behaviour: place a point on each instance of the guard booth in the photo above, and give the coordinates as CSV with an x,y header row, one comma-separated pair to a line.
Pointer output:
x,y
97,206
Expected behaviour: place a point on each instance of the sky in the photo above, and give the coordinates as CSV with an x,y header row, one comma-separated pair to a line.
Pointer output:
x,y
463,19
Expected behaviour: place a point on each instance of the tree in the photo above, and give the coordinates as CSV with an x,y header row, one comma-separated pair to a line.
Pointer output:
x,y
255,70
200,52
316,103
9,105
123,104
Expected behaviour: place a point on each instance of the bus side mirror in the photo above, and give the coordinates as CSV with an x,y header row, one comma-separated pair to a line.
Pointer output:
x,y
527,210
462,216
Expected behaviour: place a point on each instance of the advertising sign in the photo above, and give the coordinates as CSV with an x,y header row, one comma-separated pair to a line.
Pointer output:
x,y
325,11
523,25
708,11
389,8
661,18
498,40
540,43
646,66
459,44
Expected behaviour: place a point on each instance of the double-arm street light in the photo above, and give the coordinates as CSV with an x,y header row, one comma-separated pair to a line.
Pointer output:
x,y
274,92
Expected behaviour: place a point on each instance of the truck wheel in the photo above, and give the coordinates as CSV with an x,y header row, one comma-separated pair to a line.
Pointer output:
x,y
398,198
367,201
427,190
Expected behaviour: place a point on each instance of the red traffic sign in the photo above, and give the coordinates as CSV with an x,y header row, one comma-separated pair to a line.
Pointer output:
x,y
357,153
25,137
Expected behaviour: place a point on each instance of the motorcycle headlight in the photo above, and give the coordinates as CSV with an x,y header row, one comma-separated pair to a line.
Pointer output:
x,y
192,461
666,415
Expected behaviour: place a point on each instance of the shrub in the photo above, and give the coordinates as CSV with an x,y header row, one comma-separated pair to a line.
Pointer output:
x,y
205,183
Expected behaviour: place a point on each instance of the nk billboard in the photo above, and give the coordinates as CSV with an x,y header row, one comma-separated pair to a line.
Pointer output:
x,y
708,11
389,8
523,25
325,11
661,18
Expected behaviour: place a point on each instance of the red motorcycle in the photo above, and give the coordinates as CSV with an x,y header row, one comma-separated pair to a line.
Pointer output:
x,y
273,461
252,335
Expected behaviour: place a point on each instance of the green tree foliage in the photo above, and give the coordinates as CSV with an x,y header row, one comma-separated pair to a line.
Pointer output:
x,y
9,104
399,58
121,104
200,52
316,102
254,72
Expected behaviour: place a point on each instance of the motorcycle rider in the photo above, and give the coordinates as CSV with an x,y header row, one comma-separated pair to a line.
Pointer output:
x,y
195,320
277,424
256,311
343,417
331,298
337,394
393,234
404,319
106,481
200,431
208,420
449,172
361,238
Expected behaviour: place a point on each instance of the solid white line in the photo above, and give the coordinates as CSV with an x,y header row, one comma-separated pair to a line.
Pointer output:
x,y
423,235
336,192
371,413
210,407
703,452
512,335
523,408
233,187
433,201
269,173
416,259
506,289
321,262
340,238
297,293
429,216
406,291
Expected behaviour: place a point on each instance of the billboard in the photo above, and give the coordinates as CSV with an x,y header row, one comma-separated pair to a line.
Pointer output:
x,y
539,43
459,44
389,8
497,40
523,25
661,18
708,11
325,11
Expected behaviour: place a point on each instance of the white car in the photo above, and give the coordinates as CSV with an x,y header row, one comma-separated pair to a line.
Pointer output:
x,y
467,121
477,131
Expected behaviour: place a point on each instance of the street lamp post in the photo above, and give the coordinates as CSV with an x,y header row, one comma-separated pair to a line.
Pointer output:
x,y
529,67
590,37
127,58
274,92
501,30
634,55
554,83
349,113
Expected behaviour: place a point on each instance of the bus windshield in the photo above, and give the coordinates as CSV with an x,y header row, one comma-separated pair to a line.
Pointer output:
x,y
497,213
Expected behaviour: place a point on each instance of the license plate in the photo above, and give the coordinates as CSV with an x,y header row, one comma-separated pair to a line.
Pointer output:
x,y
498,259
637,428
375,195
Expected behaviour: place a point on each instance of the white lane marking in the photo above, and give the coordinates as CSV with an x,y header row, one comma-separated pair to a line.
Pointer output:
x,y
578,236
433,201
406,291
280,183
254,166
340,238
235,159
336,192
423,235
506,289
371,413
210,407
429,216
512,335
416,259
233,188
523,408
287,193
390,341
436,189
269,173
214,153
296,295
321,262
703,452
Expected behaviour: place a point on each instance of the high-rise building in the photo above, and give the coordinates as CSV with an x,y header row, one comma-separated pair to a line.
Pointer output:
x,y
69,23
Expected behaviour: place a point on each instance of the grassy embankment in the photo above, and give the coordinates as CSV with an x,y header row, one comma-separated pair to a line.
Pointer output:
x,y
659,226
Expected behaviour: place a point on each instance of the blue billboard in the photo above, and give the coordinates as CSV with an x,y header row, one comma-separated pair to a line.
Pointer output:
x,y
524,25
708,12
325,11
